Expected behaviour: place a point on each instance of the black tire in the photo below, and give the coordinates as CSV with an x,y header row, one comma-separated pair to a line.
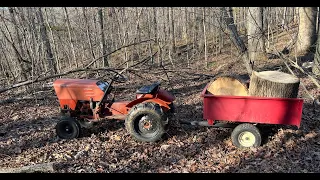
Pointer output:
x,y
245,136
316,102
145,122
68,128
172,108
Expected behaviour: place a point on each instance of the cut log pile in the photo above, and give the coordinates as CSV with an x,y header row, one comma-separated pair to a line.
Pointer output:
x,y
262,84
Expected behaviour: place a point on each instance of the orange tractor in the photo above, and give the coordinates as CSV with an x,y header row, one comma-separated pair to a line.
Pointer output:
x,y
84,102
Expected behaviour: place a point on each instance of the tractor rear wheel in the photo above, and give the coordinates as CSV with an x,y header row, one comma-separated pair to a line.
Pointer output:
x,y
145,122
68,128
246,135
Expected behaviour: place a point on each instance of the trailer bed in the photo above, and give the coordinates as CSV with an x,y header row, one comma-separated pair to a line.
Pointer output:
x,y
250,109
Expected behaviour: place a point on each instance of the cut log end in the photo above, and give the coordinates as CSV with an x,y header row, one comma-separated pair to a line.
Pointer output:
x,y
227,85
277,77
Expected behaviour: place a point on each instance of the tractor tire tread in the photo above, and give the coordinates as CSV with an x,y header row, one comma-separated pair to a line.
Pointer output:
x,y
142,108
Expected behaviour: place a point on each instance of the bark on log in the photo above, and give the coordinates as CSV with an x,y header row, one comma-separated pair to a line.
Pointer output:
x,y
273,84
228,85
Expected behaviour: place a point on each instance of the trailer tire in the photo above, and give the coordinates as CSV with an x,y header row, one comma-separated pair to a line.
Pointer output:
x,y
68,128
145,122
246,135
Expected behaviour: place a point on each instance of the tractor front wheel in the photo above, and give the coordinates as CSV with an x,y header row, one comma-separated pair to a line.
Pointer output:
x,y
246,135
145,122
68,128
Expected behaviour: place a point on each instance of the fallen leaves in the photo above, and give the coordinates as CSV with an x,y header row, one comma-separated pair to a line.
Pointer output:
x,y
27,136
164,147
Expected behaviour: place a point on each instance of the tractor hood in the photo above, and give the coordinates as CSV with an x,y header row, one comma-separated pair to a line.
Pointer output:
x,y
79,89
75,82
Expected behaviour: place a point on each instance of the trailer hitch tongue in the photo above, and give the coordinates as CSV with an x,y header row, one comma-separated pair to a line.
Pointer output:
x,y
195,123
200,123
205,123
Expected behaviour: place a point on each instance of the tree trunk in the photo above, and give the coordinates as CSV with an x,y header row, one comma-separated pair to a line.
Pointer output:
x,y
55,50
204,36
88,33
307,30
17,54
172,31
15,26
318,20
45,38
316,67
284,24
70,37
8,66
221,40
187,29
236,38
255,34
102,39
149,36
155,24
136,53
273,84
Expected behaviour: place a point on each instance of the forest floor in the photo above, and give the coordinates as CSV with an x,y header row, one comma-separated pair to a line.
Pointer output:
x,y
28,136
27,132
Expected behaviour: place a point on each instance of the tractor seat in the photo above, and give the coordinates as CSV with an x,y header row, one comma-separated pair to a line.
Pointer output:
x,y
148,89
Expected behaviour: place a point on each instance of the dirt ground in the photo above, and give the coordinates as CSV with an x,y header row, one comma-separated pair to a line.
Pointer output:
x,y
27,133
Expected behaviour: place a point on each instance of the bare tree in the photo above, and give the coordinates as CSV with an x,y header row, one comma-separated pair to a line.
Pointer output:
x,y
70,37
88,32
228,19
204,36
20,60
256,38
316,67
60,38
172,30
45,38
307,30
155,24
15,26
102,38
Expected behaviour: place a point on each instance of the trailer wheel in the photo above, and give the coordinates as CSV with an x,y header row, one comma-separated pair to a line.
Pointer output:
x,y
145,122
68,128
246,135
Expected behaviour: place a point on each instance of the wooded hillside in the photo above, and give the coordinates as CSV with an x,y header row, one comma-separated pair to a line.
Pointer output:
x,y
184,48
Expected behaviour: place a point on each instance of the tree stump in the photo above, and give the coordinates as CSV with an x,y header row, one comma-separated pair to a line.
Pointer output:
x,y
228,85
273,84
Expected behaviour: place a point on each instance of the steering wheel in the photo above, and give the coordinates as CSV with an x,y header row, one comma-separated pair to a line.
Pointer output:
x,y
120,78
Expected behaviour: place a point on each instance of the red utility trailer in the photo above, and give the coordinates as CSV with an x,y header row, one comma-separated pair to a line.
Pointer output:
x,y
247,112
